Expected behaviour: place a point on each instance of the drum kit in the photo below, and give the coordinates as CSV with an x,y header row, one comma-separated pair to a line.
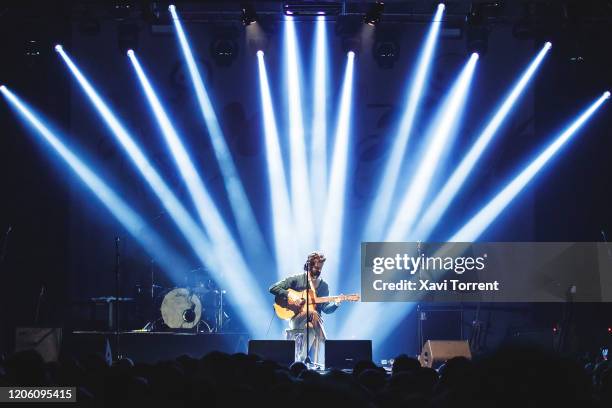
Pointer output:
x,y
198,306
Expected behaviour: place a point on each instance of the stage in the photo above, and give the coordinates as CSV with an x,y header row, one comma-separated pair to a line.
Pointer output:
x,y
152,347
390,179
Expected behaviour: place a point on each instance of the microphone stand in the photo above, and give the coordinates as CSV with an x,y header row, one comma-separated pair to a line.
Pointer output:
x,y
38,303
307,359
118,355
151,308
421,313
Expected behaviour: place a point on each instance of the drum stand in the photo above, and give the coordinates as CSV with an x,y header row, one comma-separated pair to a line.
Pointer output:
x,y
206,325
219,320
152,322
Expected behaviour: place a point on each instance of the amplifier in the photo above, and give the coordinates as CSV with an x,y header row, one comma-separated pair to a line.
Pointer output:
x,y
435,352
47,341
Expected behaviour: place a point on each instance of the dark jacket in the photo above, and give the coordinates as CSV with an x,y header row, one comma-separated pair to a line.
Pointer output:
x,y
298,282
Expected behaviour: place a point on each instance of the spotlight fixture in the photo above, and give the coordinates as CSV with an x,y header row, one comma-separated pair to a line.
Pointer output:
x,y
573,48
157,10
248,15
372,17
122,9
386,53
351,44
476,15
157,16
223,51
524,28
452,28
477,32
32,48
127,37
312,8
88,24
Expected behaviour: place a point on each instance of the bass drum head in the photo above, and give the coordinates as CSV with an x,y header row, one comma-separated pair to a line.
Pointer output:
x,y
181,309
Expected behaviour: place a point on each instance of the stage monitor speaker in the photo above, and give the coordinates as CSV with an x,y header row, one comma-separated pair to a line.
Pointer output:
x,y
47,341
281,351
436,352
343,354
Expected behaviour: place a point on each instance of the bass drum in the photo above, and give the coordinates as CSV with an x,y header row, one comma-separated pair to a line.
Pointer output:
x,y
181,309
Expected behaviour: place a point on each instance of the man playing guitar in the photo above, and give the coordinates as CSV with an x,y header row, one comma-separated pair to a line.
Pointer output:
x,y
292,291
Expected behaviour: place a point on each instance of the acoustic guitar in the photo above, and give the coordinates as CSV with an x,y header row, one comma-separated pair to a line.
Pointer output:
x,y
286,309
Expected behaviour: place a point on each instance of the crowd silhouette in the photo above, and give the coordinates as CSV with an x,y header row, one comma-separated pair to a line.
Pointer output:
x,y
509,377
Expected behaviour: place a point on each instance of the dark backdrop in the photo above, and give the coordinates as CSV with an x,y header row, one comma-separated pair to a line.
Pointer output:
x,y
62,238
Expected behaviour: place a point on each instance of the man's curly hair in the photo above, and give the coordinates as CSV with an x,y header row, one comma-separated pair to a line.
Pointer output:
x,y
316,255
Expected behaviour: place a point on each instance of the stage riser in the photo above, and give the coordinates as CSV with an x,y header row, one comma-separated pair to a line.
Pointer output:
x,y
153,347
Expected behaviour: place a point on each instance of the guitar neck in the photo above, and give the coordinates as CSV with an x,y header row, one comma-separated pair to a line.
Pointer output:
x,y
327,299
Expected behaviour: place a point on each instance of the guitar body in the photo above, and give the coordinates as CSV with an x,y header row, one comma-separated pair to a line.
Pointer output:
x,y
286,309
284,313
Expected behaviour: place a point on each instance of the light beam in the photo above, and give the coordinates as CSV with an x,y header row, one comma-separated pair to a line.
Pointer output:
x,y
481,221
249,231
219,256
364,322
333,223
206,208
443,199
151,242
284,234
381,206
300,187
442,129
318,151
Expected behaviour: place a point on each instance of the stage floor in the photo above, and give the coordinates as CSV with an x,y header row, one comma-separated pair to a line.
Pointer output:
x,y
151,347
